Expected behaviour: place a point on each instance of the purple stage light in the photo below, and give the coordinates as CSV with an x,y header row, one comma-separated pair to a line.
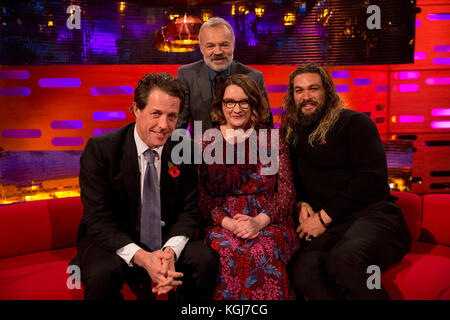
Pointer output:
x,y
15,91
66,124
342,88
420,55
411,119
99,131
21,133
362,82
340,74
67,141
382,88
406,75
441,112
108,115
59,82
440,124
277,88
438,81
438,16
406,87
441,60
441,48
14,74
119,90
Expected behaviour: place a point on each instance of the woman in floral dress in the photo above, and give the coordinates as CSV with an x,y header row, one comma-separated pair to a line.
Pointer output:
x,y
247,204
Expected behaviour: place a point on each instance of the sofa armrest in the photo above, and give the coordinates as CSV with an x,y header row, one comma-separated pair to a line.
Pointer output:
x,y
436,219
39,225
411,205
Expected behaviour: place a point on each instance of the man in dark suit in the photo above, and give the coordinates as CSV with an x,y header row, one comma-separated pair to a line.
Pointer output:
x,y
140,211
203,78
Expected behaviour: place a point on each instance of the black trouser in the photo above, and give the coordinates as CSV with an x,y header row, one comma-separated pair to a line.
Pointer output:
x,y
334,265
103,273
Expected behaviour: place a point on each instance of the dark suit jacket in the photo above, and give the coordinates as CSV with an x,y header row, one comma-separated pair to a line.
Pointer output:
x,y
110,192
195,77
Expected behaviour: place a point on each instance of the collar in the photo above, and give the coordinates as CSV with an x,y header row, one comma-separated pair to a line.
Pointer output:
x,y
225,73
141,146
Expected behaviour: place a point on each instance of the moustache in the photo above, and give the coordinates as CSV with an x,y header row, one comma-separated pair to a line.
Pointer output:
x,y
308,101
218,57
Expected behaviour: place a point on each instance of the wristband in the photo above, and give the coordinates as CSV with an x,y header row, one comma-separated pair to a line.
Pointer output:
x,y
321,220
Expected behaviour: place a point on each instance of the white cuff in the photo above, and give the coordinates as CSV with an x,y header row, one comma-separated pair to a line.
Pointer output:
x,y
127,252
177,244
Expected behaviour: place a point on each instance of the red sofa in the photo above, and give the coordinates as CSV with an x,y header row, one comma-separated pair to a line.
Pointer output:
x,y
37,240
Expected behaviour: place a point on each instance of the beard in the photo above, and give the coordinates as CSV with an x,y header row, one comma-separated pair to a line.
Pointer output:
x,y
218,68
310,119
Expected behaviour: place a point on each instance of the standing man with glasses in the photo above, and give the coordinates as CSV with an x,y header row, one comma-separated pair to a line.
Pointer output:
x,y
204,78
140,218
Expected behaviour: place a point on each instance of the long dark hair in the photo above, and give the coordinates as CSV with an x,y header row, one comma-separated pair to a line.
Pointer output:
x,y
290,120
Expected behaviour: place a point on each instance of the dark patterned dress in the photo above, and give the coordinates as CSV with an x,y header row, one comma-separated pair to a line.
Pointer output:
x,y
250,269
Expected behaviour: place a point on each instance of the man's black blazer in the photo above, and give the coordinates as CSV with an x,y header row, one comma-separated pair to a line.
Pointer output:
x,y
110,192
195,77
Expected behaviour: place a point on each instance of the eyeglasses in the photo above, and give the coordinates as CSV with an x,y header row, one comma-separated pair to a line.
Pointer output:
x,y
230,104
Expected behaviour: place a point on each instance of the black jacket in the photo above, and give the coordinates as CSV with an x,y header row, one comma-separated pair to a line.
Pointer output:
x,y
110,192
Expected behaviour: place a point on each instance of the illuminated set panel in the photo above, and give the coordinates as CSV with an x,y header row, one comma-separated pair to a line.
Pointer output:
x,y
403,100
431,33
419,101
430,162
90,104
430,104
66,114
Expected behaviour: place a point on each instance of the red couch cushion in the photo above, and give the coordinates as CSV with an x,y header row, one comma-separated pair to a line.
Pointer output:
x,y
37,276
42,276
411,205
39,225
423,274
436,219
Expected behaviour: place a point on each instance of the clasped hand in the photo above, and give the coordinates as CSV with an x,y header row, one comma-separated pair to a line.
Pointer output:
x,y
160,266
310,225
246,227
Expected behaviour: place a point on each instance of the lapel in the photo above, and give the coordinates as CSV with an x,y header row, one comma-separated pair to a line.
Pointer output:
x,y
168,184
204,83
234,68
129,168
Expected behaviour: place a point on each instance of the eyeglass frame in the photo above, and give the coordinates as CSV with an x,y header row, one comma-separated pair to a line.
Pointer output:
x,y
226,101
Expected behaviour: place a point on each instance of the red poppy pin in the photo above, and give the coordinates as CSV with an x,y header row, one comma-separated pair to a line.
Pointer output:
x,y
173,170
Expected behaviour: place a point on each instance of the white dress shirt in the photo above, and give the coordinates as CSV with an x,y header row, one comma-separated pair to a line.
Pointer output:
x,y
177,243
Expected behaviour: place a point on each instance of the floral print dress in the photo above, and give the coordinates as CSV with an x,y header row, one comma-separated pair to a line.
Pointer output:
x,y
250,269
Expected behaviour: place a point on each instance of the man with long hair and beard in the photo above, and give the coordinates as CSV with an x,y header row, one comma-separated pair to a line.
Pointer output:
x,y
347,216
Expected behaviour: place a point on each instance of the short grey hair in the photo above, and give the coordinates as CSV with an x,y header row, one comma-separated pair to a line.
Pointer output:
x,y
215,22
